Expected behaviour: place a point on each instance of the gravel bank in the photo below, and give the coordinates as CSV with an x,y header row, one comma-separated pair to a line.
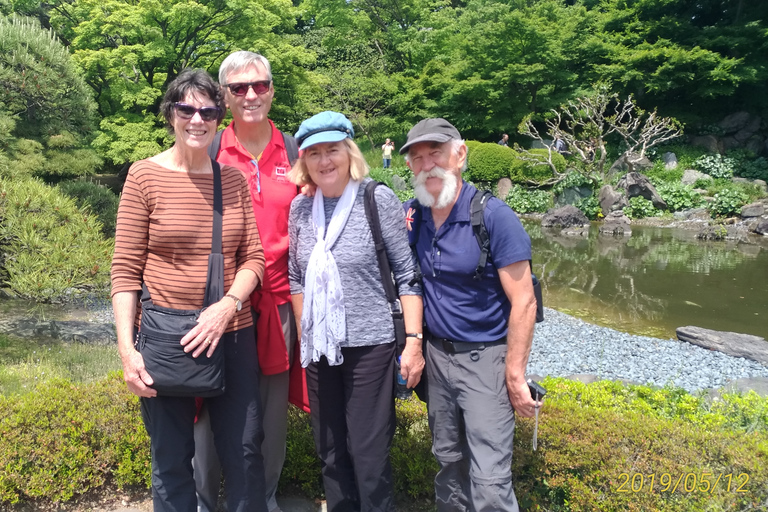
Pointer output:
x,y
564,346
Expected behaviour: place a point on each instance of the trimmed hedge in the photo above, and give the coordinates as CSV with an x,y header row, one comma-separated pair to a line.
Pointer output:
x,y
523,171
65,439
490,162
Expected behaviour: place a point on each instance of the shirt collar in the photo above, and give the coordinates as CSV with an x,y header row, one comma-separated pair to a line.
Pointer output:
x,y
229,140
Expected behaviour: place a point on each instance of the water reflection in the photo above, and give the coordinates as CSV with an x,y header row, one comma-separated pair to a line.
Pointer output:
x,y
654,281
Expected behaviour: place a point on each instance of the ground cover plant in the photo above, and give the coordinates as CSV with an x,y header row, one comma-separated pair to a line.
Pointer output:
x,y
594,443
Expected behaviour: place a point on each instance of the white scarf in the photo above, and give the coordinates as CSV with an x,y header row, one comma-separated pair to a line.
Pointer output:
x,y
323,319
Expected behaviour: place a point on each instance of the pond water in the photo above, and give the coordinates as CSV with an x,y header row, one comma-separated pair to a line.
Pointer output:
x,y
654,281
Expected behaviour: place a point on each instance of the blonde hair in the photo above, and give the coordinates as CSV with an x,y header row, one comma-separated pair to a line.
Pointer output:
x,y
358,167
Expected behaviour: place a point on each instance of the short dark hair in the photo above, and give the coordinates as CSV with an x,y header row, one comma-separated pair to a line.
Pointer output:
x,y
192,81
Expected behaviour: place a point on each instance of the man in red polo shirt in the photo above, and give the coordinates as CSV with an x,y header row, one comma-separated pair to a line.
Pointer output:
x,y
264,154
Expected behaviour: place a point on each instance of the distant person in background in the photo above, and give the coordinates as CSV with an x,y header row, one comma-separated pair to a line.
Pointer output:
x,y
560,146
253,144
386,151
504,140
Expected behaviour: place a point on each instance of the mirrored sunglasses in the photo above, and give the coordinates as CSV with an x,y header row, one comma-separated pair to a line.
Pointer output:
x,y
241,88
186,111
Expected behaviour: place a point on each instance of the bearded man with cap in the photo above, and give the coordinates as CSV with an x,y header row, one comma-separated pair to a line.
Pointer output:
x,y
479,330
346,331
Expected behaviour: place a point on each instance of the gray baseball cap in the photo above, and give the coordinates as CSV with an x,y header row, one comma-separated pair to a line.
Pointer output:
x,y
435,129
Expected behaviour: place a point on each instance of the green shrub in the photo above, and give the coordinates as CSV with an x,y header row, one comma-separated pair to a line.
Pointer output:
x,y
659,174
52,248
679,197
490,162
639,208
523,200
386,176
748,165
686,155
728,202
572,179
591,207
98,198
524,171
717,166
752,191
702,183
65,439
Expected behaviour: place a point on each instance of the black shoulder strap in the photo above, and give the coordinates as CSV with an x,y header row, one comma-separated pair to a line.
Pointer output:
x,y
217,207
372,214
213,149
477,218
291,147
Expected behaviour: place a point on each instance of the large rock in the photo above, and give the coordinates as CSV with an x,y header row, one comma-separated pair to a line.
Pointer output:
x,y
670,160
752,210
691,176
735,122
757,384
708,142
762,184
572,195
567,216
734,344
692,214
631,162
638,185
755,144
748,130
503,187
729,143
762,227
616,223
611,200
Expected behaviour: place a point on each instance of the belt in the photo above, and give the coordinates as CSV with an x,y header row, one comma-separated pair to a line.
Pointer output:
x,y
457,347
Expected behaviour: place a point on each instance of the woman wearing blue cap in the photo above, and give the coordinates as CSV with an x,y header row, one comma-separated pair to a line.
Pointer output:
x,y
345,325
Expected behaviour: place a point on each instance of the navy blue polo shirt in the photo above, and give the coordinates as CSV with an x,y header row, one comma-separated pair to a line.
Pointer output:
x,y
456,305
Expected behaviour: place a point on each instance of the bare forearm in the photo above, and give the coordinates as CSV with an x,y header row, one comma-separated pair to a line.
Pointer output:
x,y
412,358
124,307
297,303
522,318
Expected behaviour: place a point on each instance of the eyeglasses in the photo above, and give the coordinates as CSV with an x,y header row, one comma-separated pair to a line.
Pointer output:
x,y
241,88
186,111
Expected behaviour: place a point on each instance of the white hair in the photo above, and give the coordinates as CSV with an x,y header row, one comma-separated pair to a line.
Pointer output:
x,y
455,147
237,61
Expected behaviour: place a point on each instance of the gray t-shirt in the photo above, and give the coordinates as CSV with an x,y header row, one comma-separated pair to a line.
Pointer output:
x,y
369,321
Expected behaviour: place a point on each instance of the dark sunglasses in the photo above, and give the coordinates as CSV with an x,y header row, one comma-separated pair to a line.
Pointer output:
x,y
241,88
185,111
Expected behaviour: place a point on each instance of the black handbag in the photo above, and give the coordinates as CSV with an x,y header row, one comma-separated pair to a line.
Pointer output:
x,y
175,372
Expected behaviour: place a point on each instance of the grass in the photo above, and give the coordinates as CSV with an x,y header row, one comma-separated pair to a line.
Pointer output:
x,y
23,365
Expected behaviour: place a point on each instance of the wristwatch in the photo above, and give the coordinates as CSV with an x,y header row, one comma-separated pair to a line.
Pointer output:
x,y
238,304
417,335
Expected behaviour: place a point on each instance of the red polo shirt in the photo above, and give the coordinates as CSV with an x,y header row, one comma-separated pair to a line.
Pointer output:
x,y
271,196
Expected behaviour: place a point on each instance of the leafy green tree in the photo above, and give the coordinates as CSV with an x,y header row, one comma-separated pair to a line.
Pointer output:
x,y
130,51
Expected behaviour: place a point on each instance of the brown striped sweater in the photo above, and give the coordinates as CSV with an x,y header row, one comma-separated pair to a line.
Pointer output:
x,y
164,225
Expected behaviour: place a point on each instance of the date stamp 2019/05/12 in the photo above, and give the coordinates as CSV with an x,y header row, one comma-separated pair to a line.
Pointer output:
x,y
685,482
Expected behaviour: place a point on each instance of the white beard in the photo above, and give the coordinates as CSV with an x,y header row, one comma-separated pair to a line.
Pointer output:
x,y
447,193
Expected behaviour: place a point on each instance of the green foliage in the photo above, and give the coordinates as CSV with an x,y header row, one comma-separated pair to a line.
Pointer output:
x,y
639,208
659,173
728,202
572,179
679,197
591,207
41,86
65,439
52,249
523,200
96,198
747,165
524,171
717,166
750,190
490,162
386,176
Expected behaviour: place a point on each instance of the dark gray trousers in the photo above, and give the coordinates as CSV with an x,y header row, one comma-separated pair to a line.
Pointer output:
x,y
236,425
473,425
353,422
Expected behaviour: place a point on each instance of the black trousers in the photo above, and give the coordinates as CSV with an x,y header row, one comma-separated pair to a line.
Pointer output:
x,y
353,421
236,424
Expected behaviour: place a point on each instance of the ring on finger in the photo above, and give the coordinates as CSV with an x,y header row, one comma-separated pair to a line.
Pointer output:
x,y
207,341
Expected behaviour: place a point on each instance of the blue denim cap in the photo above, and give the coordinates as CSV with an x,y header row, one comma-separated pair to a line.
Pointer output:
x,y
326,126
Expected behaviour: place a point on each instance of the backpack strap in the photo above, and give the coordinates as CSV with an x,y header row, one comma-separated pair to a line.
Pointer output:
x,y
213,149
395,308
291,147
477,218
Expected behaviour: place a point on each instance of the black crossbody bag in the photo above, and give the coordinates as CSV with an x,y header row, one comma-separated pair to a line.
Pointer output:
x,y
175,372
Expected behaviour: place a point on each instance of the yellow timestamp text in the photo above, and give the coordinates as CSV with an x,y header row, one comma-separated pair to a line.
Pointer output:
x,y
685,482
